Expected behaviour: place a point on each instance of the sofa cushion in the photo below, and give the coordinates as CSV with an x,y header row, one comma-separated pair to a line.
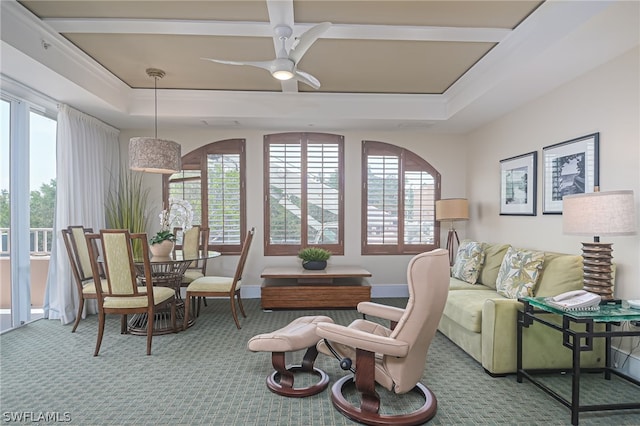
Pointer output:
x,y
464,307
493,255
561,272
469,260
456,284
519,272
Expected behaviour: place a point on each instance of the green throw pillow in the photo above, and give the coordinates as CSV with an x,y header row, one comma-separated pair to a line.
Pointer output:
x,y
519,273
468,262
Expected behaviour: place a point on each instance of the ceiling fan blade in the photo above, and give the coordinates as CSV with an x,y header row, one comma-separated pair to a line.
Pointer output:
x,y
304,42
307,79
266,65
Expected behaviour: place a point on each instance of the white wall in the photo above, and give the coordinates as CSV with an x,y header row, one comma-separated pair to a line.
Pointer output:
x,y
445,152
605,100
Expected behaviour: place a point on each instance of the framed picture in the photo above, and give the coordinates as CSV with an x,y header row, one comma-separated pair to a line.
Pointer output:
x,y
569,167
518,187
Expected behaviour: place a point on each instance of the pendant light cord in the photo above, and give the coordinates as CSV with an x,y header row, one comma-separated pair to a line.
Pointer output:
x,y
155,91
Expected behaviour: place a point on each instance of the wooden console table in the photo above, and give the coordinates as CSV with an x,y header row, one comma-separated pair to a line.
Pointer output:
x,y
292,287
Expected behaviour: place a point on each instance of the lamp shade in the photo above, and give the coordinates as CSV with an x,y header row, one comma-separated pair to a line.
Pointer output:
x,y
599,213
153,155
452,209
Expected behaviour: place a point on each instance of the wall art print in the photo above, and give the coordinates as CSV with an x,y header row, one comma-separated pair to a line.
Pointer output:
x,y
569,167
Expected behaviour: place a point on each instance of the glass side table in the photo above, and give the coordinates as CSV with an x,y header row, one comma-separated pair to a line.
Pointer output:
x,y
536,309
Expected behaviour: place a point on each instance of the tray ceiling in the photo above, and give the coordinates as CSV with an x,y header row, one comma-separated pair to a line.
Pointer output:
x,y
445,66
407,47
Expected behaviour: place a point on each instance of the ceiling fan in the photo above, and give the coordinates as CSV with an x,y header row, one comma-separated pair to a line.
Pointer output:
x,y
285,66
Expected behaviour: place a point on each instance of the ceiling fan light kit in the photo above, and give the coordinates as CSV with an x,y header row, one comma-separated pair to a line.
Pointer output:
x,y
282,69
285,65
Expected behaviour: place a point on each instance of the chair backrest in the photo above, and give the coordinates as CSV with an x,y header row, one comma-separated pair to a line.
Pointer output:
x,y
243,258
119,265
78,252
428,282
193,241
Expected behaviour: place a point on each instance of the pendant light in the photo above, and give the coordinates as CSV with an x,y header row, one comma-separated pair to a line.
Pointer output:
x,y
153,155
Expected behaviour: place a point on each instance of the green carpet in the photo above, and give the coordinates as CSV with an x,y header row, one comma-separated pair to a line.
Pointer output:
x,y
206,375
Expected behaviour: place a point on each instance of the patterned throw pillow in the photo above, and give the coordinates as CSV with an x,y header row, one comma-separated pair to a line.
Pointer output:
x,y
468,262
519,272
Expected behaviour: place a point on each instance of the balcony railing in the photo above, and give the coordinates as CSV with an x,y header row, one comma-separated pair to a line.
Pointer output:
x,y
40,240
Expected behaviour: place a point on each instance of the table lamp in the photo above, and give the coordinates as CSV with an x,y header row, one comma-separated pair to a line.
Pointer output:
x,y
452,209
599,214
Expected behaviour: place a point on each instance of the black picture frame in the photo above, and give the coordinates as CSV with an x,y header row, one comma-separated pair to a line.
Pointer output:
x,y
518,185
570,167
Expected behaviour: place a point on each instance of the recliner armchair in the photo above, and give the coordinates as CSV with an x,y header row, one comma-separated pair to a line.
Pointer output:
x,y
393,357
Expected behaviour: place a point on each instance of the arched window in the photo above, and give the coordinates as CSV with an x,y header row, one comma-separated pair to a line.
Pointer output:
x,y
304,192
213,181
398,202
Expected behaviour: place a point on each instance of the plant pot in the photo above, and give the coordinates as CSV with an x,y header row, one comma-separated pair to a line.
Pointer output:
x,y
162,249
314,265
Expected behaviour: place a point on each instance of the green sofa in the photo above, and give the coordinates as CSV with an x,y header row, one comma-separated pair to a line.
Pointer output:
x,y
483,322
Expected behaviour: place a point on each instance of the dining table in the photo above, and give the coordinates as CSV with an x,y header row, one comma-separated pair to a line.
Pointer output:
x,y
166,271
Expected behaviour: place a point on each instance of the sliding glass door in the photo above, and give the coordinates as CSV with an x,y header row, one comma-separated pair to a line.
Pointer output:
x,y
27,197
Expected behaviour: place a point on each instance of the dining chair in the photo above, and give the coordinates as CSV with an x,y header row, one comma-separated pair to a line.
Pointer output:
x,y
78,252
219,286
192,241
122,295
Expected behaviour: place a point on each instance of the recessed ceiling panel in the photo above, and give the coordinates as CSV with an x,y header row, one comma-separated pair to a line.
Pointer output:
x,y
478,14
128,56
244,10
383,66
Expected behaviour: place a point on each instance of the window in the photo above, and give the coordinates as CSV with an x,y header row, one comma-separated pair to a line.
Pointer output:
x,y
213,181
304,187
398,203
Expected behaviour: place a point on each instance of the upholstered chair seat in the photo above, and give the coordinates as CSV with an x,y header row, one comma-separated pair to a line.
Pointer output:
x,y
160,295
213,283
191,275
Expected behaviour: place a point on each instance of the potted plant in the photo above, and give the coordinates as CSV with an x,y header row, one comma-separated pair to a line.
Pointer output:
x,y
126,204
179,213
314,258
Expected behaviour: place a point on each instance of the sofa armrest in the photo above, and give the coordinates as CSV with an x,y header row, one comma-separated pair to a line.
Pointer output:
x,y
499,328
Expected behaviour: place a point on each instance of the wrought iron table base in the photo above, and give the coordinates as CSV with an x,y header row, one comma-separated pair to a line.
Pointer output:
x,y
577,341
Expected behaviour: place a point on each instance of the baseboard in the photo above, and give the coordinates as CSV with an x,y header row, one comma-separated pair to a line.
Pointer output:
x,y
627,363
379,290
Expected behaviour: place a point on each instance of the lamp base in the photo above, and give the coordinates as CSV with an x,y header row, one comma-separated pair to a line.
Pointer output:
x,y
450,244
597,269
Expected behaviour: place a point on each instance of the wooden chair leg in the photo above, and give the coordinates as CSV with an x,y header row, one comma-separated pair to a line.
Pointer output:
x,y
240,304
79,315
234,313
150,318
100,332
187,304
173,316
124,329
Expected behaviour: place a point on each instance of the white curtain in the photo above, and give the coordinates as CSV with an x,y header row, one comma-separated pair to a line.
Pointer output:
x,y
87,156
